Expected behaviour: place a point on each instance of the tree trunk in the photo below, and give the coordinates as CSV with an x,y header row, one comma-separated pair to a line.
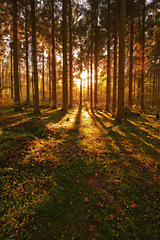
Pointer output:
x,y
15,58
49,70
70,55
0,81
108,90
81,83
43,83
96,54
115,58
26,37
54,95
130,102
34,58
65,83
120,111
11,70
143,49
91,63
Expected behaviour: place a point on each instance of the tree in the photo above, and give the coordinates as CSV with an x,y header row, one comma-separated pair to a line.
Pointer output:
x,y
54,96
130,102
34,58
70,55
143,49
65,83
96,28
15,58
108,89
115,57
122,13
26,38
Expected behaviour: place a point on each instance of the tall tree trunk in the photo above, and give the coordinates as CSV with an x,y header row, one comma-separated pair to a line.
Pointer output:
x,y
96,54
115,58
143,49
130,101
91,63
0,81
108,90
15,58
26,37
70,55
88,77
11,59
81,83
49,70
65,83
120,111
43,83
34,58
54,94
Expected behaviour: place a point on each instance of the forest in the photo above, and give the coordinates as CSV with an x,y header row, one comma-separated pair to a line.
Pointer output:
x,y
79,119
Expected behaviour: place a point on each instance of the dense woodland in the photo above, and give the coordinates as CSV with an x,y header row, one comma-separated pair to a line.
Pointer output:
x,y
60,53
79,119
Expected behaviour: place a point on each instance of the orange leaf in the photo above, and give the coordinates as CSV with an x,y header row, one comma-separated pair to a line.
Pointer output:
x,y
86,199
133,205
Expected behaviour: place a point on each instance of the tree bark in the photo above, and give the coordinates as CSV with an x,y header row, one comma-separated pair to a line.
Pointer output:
x,y
54,93
120,111
26,37
65,83
70,55
15,58
96,54
34,58
91,59
108,90
130,102
143,49
115,58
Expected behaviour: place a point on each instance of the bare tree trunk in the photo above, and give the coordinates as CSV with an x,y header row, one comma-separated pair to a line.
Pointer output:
x,y
120,111
54,94
43,83
65,83
96,54
49,70
108,90
27,68
70,55
91,63
34,58
115,58
130,102
11,59
0,81
143,49
15,58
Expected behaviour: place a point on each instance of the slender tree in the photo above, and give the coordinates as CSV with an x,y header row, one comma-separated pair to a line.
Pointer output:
x,y
65,83
26,38
120,110
143,50
130,102
115,57
70,55
54,94
15,58
108,87
34,58
96,48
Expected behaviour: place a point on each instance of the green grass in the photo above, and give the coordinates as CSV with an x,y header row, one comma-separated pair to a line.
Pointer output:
x,y
54,186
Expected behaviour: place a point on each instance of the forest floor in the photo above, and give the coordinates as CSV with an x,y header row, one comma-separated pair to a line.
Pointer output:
x,y
79,176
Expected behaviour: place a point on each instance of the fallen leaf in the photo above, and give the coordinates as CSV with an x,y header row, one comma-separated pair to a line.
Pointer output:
x,y
86,200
